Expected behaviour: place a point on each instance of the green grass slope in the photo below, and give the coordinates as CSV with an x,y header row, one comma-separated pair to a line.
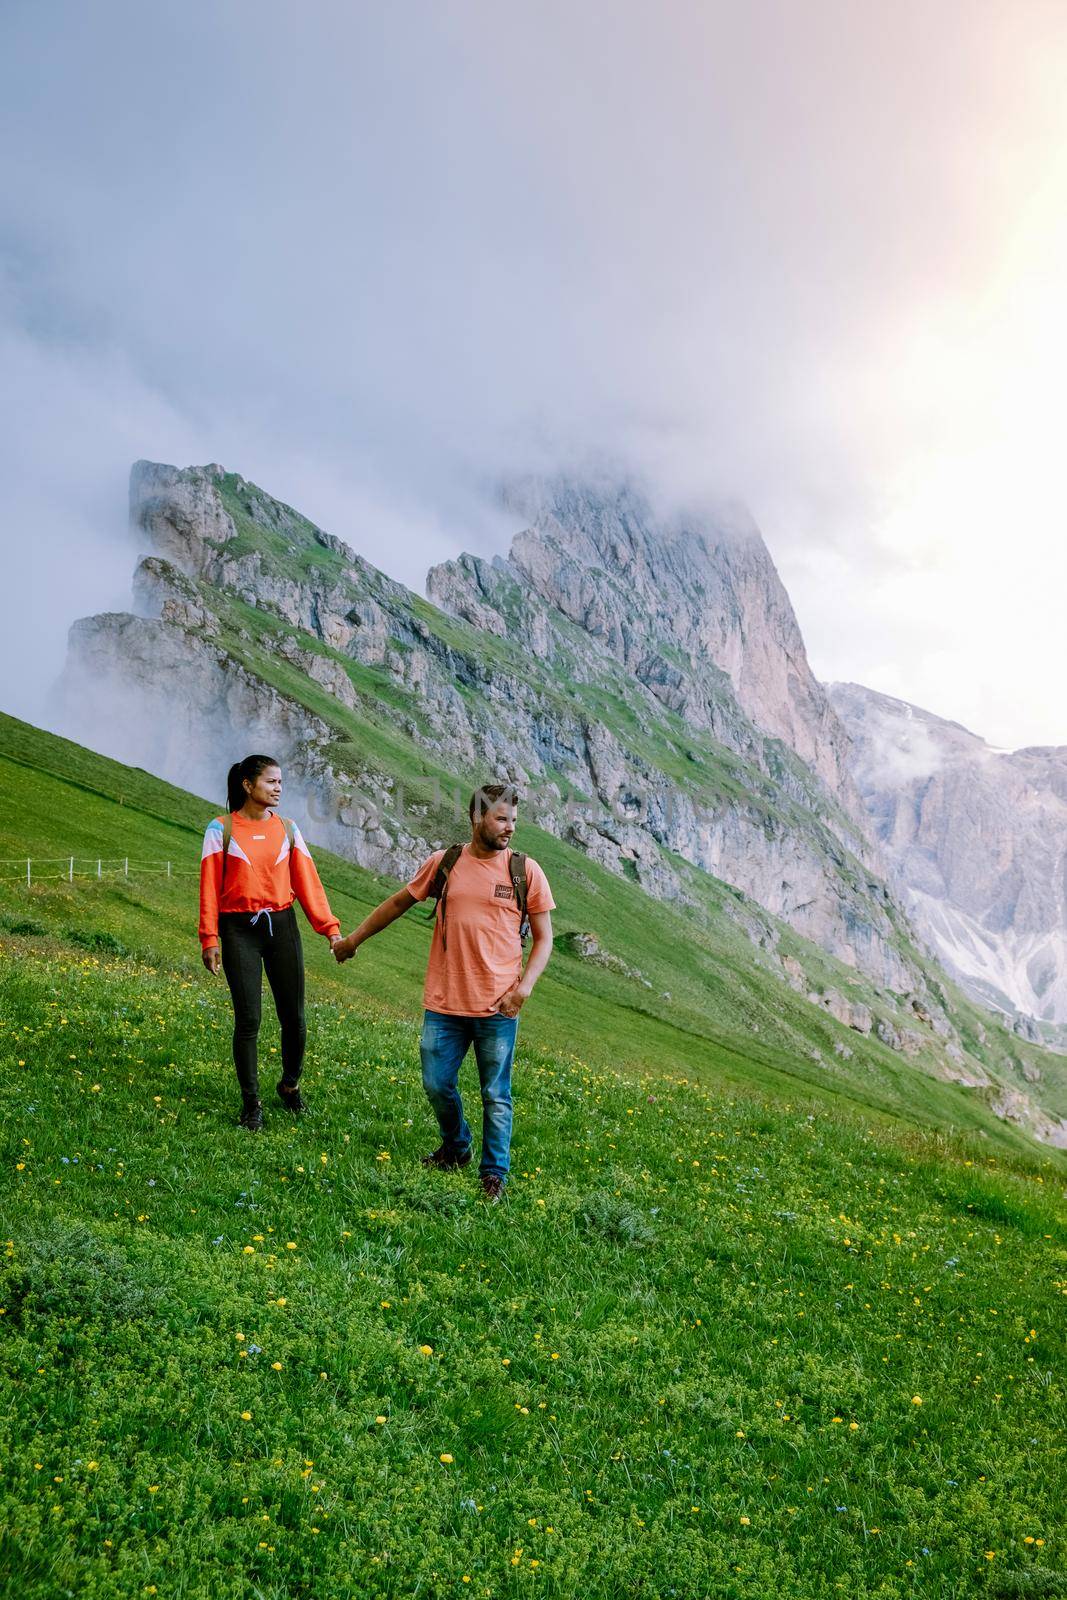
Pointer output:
x,y
707,1007
716,1342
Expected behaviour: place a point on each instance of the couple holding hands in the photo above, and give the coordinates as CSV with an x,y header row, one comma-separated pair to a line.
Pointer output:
x,y
488,897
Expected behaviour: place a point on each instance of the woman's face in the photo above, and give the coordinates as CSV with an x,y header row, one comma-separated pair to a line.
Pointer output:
x,y
266,790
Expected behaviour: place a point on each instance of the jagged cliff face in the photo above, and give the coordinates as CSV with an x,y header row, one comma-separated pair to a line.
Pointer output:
x,y
978,839
691,605
646,681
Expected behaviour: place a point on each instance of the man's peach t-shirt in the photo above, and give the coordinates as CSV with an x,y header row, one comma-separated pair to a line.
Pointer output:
x,y
484,954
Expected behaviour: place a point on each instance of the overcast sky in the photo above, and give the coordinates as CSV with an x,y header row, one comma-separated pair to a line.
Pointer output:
x,y
811,256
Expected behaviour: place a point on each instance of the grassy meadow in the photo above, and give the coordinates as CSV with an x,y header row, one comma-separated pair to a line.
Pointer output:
x,y
737,1330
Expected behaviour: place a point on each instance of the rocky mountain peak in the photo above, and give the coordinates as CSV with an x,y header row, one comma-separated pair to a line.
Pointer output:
x,y
977,838
180,511
690,602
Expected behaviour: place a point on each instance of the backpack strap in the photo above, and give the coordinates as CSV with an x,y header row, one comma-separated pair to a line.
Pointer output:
x,y
227,835
439,886
519,882
290,833
517,869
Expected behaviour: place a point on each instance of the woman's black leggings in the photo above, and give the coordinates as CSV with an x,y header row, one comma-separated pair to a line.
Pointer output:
x,y
248,947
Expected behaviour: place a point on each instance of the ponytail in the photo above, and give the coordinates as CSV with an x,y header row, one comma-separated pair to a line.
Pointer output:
x,y
249,768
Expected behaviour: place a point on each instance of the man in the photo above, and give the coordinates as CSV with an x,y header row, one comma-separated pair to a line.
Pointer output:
x,y
475,984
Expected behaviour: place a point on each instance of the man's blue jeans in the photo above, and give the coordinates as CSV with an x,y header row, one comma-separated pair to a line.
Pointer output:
x,y
444,1042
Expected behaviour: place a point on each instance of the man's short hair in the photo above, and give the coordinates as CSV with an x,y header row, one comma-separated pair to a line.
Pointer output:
x,y
485,798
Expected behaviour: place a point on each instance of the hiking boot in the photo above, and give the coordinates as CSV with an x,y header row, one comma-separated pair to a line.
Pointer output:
x,y
446,1160
492,1187
291,1098
251,1117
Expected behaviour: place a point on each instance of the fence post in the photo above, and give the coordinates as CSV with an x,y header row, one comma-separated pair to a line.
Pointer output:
x,y
168,869
98,873
126,865
27,872
71,874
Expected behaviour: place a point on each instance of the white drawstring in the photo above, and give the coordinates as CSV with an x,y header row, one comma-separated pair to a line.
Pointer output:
x,y
264,913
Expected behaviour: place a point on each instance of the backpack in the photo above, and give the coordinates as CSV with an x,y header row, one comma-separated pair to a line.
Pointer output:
x,y
439,889
227,835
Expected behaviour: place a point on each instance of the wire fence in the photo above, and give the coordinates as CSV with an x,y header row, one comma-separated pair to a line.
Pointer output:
x,y
36,869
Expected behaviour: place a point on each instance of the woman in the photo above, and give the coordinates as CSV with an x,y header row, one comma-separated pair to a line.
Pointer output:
x,y
253,864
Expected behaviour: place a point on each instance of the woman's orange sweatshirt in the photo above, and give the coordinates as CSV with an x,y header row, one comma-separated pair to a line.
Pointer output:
x,y
262,874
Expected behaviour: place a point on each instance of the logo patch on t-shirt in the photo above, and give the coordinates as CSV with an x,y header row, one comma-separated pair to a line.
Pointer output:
x,y
504,891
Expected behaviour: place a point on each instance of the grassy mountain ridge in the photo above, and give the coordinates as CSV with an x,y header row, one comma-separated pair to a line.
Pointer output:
x,y
244,590
690,756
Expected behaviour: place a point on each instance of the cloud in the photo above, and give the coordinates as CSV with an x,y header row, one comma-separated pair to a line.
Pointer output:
x,y
70,424
376,257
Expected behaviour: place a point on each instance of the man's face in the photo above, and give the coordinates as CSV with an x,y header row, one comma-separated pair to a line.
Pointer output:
x,y
496,826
